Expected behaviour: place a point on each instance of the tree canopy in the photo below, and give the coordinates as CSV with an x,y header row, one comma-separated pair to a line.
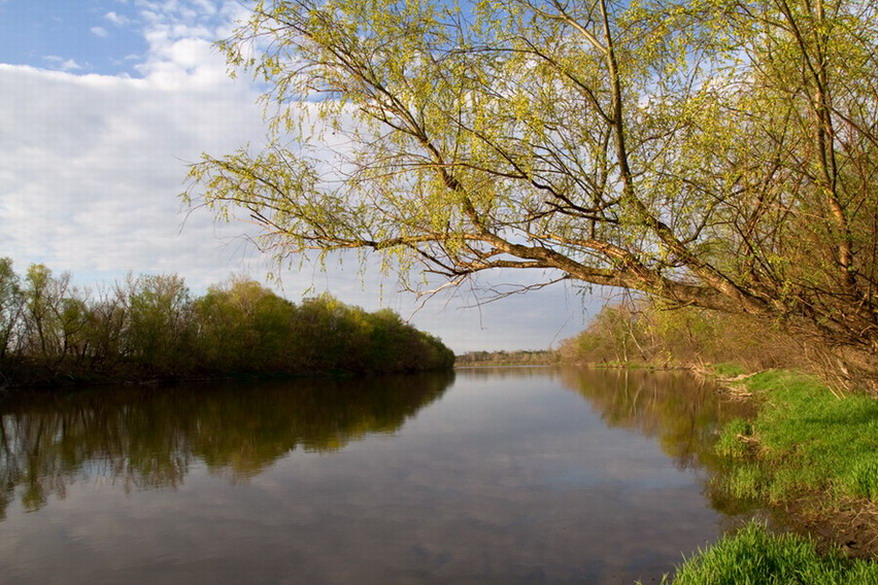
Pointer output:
x,y
717,153
151,327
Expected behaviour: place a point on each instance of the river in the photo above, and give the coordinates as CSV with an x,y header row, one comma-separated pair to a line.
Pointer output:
x,y
485,476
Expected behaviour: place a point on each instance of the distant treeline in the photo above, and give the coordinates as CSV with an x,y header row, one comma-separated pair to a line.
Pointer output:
x,y
151,327
641,331
505,358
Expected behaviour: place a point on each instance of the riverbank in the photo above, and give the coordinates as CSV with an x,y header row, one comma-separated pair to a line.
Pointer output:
x,y
507,358
44,380
151,328
756,556
811,453
811,456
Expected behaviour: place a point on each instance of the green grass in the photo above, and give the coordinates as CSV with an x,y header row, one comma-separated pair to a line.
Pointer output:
x,y
754,556
803,440
728,370
732,442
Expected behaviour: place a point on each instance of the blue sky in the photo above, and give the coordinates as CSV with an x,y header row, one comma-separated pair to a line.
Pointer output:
x,y
103,103
92,36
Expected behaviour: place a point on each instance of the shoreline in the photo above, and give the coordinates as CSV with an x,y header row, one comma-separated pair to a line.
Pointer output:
x,y
806,455
808,458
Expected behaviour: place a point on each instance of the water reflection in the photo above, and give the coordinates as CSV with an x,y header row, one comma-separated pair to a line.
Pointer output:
x,y
512,476
682,412
148,437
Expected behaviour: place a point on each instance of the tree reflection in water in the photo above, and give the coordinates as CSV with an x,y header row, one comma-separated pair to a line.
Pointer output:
x,y
682,412
149,437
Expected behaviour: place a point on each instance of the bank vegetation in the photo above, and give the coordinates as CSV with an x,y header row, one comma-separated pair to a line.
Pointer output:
x,y
152,327
810,457
638,331
507,358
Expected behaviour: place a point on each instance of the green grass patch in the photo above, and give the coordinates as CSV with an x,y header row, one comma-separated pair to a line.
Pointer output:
x,y
754,556
728,370
862,477
743,482
735,439
803,440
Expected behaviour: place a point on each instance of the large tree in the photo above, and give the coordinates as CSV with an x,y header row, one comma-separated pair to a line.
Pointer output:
x,y
719,153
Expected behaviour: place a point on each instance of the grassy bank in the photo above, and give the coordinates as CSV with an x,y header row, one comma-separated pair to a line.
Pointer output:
x,y
805,442
754,556
812,456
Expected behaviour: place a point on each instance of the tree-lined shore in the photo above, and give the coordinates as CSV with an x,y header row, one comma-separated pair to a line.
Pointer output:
x,y
152,327
645,331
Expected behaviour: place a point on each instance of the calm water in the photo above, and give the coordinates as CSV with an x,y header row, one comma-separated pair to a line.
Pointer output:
x,y
507,476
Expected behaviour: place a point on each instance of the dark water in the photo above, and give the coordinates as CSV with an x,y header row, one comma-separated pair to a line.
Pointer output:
x,y
507,476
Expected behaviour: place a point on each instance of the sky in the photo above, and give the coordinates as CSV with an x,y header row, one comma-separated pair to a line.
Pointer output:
x,y
105,103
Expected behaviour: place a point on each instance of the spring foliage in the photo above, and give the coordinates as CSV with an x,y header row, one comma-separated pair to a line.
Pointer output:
x,y
713,153
644,332
151,326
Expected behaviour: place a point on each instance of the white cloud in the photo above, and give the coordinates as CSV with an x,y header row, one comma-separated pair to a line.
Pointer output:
x,y
94,164
99,31
180,36
61,63
117,19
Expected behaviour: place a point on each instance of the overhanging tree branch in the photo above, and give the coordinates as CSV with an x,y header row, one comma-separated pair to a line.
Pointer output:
x,y
689,152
